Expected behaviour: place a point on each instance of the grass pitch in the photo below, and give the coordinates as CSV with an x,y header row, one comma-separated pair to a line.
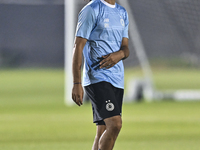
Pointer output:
x,y
33,117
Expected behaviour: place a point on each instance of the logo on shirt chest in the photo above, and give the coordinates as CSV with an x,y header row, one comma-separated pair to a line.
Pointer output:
x,y
106,22
122,22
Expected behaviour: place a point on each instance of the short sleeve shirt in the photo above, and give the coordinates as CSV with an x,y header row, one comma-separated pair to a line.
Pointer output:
x,y
104,26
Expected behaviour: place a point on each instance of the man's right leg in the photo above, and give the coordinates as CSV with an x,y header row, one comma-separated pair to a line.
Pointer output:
x,y
100,130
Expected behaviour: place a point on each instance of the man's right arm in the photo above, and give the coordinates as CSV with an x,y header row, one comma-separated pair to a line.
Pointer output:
x,y
77,91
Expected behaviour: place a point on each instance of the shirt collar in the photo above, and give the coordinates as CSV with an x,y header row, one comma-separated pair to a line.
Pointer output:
x,y
109,5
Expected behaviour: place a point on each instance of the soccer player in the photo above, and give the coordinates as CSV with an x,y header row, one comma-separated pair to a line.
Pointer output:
x,y
102,37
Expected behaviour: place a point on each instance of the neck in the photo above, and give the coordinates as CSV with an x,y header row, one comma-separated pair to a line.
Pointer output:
x,y
112,2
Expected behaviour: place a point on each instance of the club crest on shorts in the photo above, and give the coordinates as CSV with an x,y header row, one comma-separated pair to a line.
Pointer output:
x,y
109,106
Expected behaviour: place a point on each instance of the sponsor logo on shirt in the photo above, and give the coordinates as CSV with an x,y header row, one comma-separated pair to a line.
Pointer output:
x,y
106,25
106,22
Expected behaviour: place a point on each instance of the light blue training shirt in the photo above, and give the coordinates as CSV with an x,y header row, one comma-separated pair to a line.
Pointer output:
x,y
104,26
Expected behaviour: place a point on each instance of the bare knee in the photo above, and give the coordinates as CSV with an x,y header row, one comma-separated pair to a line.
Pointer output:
x,y
114,124
116,127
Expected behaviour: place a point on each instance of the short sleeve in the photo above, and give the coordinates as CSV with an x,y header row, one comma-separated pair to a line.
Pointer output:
x,y
86,22
126,20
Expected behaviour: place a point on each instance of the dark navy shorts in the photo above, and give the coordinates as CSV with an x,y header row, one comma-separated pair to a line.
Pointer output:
x,y
106,101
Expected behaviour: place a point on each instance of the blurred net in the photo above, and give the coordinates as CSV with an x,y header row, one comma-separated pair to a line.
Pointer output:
x,y
170,31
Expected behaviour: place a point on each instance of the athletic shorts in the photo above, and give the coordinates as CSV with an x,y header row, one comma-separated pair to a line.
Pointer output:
x,y
106,101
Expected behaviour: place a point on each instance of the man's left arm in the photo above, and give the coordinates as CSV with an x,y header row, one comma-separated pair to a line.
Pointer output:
x,y
111,59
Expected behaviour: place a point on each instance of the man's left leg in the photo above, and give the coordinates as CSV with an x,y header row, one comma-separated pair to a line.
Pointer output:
x,y
108,138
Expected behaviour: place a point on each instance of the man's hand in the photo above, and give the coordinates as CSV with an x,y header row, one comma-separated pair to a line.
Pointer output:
x,y
111,59
77,94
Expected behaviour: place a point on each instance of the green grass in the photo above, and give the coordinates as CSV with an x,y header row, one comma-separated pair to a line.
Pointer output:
x,y
33,116
175,78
